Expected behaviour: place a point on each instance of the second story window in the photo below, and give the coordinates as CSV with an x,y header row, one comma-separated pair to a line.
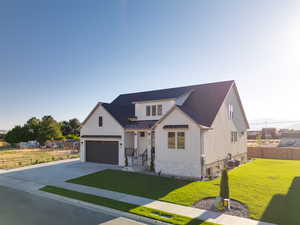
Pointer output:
x,y
154,110
230,111
100,123
159,110
234,136
148,110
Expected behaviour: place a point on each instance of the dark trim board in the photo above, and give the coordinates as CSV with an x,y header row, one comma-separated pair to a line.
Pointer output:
x,y
176,126
101,136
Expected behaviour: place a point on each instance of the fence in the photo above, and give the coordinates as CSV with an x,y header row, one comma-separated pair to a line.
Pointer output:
x,y
274,153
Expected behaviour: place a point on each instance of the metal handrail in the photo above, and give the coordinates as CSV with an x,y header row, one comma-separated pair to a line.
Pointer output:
x,y
144,157
130,151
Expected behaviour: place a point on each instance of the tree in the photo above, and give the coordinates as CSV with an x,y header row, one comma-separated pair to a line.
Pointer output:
x,y
224,185
71,127
42,130
17,134
49,130
75,125
33,126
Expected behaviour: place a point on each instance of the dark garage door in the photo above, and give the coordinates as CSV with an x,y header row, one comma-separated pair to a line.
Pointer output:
x,y
102,152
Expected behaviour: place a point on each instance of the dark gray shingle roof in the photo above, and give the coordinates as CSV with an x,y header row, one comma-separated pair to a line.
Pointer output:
x,y
202,105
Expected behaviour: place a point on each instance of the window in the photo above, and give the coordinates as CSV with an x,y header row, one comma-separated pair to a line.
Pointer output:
x,y
148,109
180,140
176,140
171,140
234,136
100,121
159,110
154,110
230,111
142,134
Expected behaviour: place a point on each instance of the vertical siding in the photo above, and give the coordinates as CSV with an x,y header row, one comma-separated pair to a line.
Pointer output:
x,y
177,161
217,143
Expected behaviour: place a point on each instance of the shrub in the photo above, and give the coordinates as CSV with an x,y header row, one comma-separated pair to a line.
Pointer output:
x,y
224,185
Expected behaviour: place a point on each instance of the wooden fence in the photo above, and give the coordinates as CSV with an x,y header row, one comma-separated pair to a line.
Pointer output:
x,y
274,153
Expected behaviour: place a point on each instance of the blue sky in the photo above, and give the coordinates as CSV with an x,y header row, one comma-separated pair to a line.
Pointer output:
x,y
61,57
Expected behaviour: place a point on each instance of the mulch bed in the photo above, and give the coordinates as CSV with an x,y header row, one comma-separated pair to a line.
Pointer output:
x,y
236,208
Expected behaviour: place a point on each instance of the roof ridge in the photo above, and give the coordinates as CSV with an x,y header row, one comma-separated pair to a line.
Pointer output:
x,y
188,86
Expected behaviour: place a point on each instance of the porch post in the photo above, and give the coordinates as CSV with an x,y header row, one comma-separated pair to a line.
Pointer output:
x,y
148,145
135,143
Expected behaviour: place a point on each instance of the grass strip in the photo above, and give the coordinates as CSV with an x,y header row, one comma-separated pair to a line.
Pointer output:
x,y
126,207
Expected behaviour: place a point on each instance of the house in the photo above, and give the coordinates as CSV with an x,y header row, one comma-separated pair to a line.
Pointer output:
x,y
290,139
186,131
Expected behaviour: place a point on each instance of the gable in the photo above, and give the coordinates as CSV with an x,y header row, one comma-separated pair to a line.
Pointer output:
x,y
110,126
204,103
239,118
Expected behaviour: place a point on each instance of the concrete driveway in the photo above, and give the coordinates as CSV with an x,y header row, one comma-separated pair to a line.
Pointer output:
x,y
48,174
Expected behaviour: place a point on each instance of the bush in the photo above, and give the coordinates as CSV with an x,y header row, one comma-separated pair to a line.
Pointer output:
x,y
72,137
224,186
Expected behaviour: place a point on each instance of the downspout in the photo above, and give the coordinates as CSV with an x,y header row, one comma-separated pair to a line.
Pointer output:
x,y
202,155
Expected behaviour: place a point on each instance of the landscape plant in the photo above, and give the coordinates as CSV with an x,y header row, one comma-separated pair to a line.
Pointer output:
x,y
224,185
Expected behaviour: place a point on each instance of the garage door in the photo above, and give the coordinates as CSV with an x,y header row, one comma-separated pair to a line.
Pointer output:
x,y
102,152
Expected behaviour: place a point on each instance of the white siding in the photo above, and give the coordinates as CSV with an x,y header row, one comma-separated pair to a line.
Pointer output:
x,y
178,161
110,127
217,142
140,109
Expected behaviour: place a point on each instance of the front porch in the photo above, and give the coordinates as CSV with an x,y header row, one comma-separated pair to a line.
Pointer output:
x,y
139,148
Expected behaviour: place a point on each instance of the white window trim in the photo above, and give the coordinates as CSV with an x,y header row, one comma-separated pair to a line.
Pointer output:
x,y
156,110
176,138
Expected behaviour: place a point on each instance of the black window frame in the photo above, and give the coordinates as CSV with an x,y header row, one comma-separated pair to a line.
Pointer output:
x,y
100,121
173,136
154,110
159,109
148,110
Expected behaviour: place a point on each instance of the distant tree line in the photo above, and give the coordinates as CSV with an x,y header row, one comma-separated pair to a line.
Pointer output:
x,y
41,130
2,136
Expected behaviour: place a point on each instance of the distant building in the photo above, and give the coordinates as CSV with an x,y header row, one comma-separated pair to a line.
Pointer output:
x,y
3,131
253,134
290,139
270,133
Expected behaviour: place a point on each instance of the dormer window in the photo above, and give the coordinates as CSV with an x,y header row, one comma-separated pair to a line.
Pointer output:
x,y
159,110
154,110
148,110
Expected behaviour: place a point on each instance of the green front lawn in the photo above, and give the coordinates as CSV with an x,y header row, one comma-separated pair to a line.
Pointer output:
x,y
126,207
270,188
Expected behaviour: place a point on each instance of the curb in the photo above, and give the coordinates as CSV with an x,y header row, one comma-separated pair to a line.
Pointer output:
x,y
97,208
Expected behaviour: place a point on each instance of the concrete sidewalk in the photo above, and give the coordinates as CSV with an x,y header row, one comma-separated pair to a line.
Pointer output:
x,y
191,212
